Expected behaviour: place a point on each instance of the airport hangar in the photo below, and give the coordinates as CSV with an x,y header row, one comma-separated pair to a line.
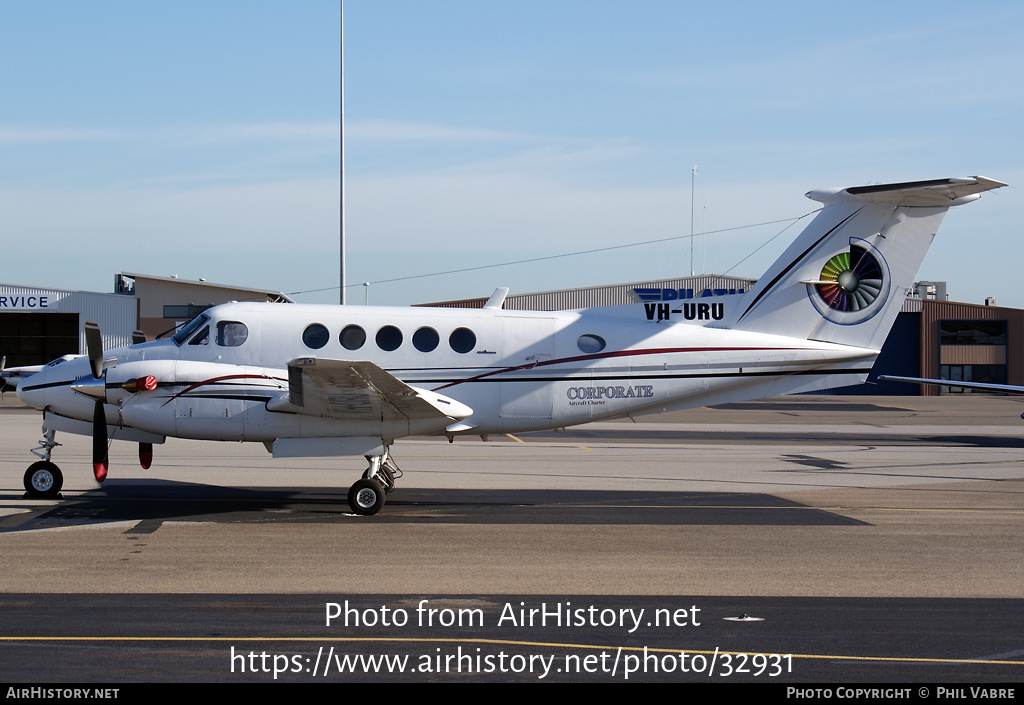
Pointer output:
x,y
41,324
932,337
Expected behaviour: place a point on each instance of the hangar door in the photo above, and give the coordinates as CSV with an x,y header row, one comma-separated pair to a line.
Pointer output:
x,y
37,338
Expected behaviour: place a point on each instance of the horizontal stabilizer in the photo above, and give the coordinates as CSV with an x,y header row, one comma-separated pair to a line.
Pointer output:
x,y
985,386
937,192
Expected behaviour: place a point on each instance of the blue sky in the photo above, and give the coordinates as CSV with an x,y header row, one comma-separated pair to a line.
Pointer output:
x,y
202,139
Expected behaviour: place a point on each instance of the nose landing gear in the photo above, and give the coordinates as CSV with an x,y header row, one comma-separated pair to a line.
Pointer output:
x,y
43,479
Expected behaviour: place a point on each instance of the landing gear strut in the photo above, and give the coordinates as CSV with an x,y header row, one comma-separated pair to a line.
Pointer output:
x,y
367,495
43,479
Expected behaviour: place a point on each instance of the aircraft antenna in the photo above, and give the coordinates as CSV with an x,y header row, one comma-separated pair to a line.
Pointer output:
x,y
704,227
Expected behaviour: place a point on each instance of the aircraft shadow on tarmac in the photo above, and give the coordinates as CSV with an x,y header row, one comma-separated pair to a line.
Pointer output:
x,y
976,441
149,503
848,436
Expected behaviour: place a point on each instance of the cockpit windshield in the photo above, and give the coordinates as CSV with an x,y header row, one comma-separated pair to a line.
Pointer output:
x,y
186,330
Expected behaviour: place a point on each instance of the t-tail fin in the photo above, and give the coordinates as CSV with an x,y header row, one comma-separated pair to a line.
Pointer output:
x,y
846,276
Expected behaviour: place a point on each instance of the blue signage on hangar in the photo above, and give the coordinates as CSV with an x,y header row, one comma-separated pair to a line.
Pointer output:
x,y
649,294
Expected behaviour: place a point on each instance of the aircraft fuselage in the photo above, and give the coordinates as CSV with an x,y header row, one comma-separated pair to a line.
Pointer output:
x,y
516,370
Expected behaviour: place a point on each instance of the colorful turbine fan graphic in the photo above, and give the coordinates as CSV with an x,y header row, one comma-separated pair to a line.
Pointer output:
x,y
851,281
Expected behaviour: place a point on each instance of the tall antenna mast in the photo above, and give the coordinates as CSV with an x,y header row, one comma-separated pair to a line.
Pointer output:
x,y
704,227
341,277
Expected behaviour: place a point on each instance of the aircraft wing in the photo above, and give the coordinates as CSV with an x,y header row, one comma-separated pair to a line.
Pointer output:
x,y
361,391
951,383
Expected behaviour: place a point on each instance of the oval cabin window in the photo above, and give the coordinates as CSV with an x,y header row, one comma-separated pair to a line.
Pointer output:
x,y
425,339
590,343
389,338
315,336
352,337
462,340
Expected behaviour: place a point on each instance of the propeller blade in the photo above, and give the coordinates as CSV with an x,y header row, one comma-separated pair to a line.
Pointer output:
x,y
145,455
138,337
100,461
94,346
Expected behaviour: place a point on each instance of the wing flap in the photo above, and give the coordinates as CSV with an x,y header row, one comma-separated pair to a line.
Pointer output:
x,y
361,391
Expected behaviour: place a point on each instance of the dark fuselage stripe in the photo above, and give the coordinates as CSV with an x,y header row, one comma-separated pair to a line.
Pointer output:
x,y
601,356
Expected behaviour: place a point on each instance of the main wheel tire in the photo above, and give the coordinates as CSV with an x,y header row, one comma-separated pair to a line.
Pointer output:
x,y
43,480
366,497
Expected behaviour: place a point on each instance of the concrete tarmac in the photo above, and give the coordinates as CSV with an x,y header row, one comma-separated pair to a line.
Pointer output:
x,y
872,506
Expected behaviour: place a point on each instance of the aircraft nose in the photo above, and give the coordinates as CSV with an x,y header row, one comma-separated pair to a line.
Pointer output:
x,y
31,392
49,384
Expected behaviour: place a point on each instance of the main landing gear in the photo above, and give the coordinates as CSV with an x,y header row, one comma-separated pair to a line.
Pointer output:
x,y
43,479
367,495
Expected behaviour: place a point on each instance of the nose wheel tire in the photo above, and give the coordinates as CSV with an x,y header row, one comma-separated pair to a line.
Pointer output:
x,y
43,480
366,497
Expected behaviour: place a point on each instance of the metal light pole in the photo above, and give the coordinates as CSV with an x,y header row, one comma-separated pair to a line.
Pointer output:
x,y
341,278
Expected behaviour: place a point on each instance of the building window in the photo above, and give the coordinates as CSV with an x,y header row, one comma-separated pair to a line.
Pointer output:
x,y
184,313
972,332
987,374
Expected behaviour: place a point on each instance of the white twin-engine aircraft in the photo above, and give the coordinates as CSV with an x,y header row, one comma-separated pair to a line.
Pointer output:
x,y
350,380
